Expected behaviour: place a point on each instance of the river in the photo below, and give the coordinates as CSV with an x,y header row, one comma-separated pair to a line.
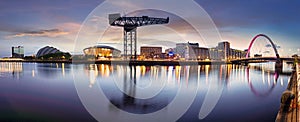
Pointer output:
x,y
65,92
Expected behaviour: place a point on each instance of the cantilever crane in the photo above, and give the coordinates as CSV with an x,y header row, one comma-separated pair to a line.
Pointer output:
x,y
130,25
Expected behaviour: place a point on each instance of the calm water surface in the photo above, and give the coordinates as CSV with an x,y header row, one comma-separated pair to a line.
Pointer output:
x,y
47,92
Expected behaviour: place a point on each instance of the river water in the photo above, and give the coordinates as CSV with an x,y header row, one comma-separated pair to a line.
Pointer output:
x,y
68,92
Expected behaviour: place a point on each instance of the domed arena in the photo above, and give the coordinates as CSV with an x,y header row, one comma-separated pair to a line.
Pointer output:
x,y
47,50
102,51
51,53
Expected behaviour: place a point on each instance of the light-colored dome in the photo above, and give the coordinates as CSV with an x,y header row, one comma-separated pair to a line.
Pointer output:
x,y
47,50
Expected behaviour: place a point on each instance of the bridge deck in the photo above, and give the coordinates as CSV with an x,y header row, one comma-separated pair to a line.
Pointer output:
x,y
262,59
292,113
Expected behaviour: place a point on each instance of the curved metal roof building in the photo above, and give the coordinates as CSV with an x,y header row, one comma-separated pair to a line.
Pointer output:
x,y
47,50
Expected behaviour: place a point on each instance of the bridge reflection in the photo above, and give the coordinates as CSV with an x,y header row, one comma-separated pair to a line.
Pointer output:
x,y
264,94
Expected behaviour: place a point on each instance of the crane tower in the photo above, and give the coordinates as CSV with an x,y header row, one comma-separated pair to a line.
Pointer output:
x,y
130,25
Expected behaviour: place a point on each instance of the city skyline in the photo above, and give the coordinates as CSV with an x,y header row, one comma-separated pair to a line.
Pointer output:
x,y
36,24
150,60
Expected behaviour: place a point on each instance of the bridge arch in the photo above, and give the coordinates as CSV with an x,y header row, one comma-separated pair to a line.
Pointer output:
x,y
269,39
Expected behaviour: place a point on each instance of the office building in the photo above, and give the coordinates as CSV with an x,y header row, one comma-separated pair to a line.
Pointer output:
x,y
17,52
214,53
224,50
151,52
186,50
202,53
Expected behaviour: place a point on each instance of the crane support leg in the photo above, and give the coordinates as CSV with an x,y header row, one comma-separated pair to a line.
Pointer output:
x,y
130,44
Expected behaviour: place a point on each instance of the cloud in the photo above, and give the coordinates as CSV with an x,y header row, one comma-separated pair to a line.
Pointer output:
x,y
71,27
269,45
95,18
41,33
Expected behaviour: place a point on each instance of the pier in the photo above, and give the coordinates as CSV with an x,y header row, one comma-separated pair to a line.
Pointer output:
x,y
290,100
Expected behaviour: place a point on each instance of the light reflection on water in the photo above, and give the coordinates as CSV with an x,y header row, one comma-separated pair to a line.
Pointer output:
x,y
177,74
244,87
242,79
15,69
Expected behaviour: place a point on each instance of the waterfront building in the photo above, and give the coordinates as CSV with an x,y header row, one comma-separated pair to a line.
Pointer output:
x,y
202,53
170,53
17,52
51,53
214,53
234,54
192,51
47,50
186,50
224,50
151,52
238,54
101,51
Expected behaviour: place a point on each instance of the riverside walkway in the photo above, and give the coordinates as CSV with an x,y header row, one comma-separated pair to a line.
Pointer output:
x,y
290,100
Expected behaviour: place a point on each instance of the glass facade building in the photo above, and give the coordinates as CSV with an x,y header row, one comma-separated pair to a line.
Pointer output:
x,y
17,52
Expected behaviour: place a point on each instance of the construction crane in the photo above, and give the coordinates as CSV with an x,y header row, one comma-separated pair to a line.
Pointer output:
x,y
130,25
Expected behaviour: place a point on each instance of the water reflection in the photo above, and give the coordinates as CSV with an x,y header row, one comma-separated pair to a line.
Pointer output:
x,y
135,78
272,78
171,73
174,75
44,70
49,70
122,86
13,68
98,70
125,98
128,100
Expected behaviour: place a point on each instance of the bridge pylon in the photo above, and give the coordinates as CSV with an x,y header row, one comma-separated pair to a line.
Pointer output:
x,y
279,66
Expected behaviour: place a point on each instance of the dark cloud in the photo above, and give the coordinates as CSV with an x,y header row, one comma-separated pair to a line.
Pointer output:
x,y
268,45
41,33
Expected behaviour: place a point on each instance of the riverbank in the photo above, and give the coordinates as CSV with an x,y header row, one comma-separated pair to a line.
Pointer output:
x,y
289,109
124,62
151,62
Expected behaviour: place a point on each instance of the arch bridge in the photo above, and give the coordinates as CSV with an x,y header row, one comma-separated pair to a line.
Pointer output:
x,y
249,59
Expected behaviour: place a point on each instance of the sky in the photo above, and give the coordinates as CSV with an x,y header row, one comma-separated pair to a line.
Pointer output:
x,y
38,23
